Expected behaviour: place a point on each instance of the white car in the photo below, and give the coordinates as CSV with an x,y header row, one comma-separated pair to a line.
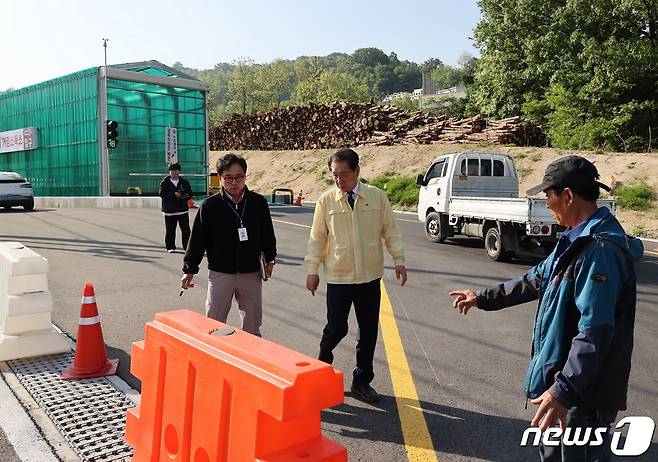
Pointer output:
x,y
14,191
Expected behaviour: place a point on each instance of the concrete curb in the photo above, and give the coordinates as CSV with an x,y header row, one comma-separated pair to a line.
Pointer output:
x,y
45,439
98,202
46,443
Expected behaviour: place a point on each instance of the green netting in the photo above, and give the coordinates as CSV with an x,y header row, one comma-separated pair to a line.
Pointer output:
x,y
64,110
143,112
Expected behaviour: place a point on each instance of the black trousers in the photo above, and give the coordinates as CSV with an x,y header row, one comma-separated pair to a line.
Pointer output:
x,y
183,222
366,298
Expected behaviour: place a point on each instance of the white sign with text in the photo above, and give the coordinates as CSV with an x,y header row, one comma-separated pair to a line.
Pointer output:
x,y
171,145
21,139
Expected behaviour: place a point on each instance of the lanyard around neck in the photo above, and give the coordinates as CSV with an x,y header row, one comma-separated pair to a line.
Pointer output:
x,y
234,210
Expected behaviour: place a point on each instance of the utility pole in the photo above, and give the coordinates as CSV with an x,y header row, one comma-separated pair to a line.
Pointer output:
x,y
105,47
105,175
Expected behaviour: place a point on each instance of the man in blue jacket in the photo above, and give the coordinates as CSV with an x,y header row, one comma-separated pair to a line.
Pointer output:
x,y
583,331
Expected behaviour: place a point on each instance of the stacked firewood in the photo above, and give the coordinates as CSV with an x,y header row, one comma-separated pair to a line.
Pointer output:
x,y
351,124
514,130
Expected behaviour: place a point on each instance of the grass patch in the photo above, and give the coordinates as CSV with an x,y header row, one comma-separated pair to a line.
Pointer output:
x,y
634,197
523,171
381,180
400,190
639,231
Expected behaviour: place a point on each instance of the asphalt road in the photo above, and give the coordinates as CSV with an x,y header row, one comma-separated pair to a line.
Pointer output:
x,y
467,371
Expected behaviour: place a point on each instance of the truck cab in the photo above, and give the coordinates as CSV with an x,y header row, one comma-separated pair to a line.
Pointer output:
x,y
465,174
476,194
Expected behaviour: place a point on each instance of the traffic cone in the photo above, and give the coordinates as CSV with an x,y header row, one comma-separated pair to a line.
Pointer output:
x,y
90,356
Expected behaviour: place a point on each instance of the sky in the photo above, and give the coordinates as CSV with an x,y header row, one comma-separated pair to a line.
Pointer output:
x,y
45,39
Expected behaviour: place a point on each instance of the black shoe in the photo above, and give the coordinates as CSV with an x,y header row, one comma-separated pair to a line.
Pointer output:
x,y
364,393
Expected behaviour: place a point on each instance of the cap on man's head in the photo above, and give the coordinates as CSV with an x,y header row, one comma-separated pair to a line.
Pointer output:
x,y
174,166
574,172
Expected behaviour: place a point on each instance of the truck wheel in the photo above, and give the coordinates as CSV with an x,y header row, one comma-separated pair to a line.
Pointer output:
x,y
493,244
433,227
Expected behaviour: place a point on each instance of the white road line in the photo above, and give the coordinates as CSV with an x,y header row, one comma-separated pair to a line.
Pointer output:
x,y
21,431
408,221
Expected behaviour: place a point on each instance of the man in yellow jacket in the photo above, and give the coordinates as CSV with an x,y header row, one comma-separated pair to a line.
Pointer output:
x,y
349,225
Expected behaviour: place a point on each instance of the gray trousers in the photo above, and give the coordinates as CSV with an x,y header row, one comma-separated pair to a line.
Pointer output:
x,y
247,288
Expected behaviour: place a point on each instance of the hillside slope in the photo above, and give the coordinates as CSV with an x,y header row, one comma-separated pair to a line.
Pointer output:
x,y
307,170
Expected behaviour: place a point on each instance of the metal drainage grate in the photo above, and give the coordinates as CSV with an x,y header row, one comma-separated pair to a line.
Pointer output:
x,y
90,413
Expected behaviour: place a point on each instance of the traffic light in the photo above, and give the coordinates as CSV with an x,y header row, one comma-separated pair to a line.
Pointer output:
x,y
112,133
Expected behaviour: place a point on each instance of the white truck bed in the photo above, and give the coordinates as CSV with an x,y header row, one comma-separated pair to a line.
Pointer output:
x,y
517,210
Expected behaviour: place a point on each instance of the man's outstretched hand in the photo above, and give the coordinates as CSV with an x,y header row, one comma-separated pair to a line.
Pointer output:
x,y
464,300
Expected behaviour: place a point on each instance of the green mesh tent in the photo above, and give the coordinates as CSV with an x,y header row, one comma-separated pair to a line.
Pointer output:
x,y
148,100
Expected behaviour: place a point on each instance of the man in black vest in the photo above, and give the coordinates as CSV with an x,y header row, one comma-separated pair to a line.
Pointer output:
x,y
234,228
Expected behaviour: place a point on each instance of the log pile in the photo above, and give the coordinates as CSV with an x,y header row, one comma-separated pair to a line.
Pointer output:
x,y
352,124
514,130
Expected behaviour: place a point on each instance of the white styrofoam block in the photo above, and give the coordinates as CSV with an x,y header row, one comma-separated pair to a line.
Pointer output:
x,y
22,260
34,302
17,325
18,285
35,343
25,305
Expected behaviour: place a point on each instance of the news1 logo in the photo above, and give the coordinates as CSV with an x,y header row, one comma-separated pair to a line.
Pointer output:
x,y
638,436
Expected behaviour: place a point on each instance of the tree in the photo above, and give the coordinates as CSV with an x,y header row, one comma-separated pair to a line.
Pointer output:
x,y
369,57
242,87
330,86
408,76
447,76
585,68
467,63
431,64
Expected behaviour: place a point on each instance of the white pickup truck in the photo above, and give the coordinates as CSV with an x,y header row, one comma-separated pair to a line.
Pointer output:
x,y
477,194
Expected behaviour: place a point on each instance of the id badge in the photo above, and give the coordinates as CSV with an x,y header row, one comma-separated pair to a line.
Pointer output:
x,y
242,234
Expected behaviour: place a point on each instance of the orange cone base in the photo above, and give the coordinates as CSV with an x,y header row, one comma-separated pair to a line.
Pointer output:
x,y
110,368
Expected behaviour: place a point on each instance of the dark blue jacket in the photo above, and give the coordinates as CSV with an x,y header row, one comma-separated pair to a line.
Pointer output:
x,y
170,202
583,331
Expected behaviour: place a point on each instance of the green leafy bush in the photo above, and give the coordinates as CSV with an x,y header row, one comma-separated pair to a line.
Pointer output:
x,y
381,180
635,197
400,190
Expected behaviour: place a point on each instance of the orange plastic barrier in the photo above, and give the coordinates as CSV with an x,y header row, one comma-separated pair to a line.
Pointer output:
x,y
219,398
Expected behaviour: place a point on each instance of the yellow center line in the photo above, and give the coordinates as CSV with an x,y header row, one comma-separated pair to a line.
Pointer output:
x,y
417,439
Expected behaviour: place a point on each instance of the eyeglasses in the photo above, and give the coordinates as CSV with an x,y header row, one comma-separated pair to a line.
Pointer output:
x,y
233,179
340,176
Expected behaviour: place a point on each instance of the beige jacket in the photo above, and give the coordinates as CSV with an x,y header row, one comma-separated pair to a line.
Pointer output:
x,y
349,242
